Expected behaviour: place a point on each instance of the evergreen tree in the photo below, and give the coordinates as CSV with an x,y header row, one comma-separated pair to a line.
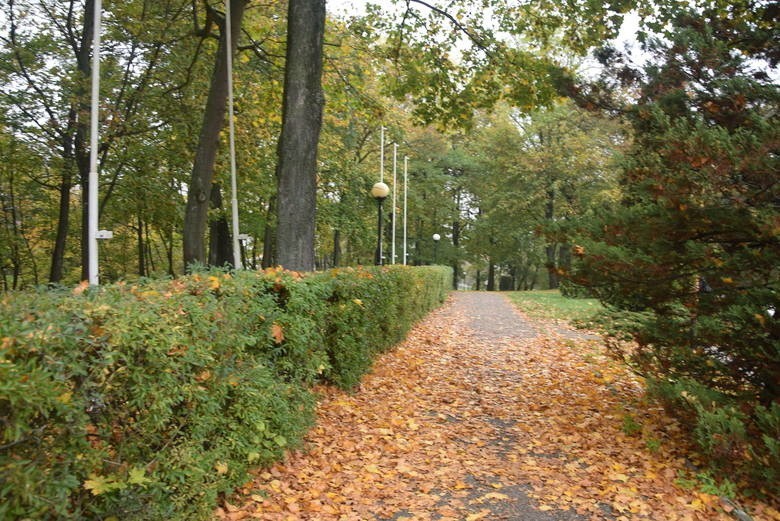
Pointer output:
x,y
689,260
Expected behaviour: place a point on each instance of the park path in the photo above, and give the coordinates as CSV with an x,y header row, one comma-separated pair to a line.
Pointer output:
x,y
481,414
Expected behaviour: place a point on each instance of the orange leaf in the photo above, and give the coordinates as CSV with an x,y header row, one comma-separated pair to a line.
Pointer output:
x,y
277,332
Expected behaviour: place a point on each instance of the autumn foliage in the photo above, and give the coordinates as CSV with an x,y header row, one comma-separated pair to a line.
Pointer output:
x,y
147,401
688,263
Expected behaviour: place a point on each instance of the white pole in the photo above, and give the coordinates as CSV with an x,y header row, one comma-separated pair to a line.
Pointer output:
x,y
406,168
381,154
395,184
232,138
92,201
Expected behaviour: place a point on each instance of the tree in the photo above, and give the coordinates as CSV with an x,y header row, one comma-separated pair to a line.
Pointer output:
x,y
689,260
199,194
534,171
301,123
454,60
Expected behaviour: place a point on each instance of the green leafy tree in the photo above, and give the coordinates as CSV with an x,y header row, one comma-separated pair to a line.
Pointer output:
x,y
549,167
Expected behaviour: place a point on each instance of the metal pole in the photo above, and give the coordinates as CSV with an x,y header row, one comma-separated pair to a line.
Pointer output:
x,y
92,201
378,257
406,167
381,154
232,138
395,184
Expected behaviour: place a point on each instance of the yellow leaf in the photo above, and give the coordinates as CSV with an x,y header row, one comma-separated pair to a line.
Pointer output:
x,y
214,282
137,476
493,495
373,469
65,397
221,468
545,508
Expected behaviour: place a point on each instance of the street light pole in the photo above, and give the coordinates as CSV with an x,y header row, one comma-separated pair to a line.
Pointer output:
x,y
379,191
406,165
92,192
232,140
395,204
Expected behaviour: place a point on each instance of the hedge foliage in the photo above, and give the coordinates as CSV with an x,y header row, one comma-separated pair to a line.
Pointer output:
x,y
147,401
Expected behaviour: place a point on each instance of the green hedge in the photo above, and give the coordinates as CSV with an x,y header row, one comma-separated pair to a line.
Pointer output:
x,y
146,401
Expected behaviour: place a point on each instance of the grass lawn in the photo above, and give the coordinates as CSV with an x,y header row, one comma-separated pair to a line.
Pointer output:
x,y
551,304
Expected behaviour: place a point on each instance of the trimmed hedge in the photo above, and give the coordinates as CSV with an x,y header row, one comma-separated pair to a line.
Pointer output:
x,y
147,401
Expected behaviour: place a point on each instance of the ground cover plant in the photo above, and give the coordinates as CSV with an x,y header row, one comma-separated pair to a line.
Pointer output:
x,y
148,401
553,305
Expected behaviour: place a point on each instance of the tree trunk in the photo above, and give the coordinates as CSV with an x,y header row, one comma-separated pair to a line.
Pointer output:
x,y
63,223
301,123
552,274
141,247
220,245
491,280
269,236
199,190
550,249
80,150
336,248
479,280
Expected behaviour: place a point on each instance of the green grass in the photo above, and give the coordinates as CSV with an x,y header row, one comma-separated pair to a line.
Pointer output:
x,y
550,304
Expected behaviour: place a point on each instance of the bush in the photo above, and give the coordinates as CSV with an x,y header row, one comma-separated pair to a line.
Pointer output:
x,y
734,441
373,309
147,401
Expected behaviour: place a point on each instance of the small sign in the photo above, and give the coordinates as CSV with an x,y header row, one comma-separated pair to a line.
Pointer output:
x,y
104,234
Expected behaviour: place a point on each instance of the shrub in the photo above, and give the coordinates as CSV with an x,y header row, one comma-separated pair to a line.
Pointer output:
x,y
373,309
147,401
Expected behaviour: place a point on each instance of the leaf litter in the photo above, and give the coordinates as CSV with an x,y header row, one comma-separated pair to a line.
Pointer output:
x,y
451,426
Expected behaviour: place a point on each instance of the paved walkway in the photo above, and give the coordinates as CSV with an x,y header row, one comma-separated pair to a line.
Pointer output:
x,y
489,317
482,414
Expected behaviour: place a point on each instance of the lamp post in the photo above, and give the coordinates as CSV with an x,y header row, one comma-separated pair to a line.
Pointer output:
x,y
379,192
436,238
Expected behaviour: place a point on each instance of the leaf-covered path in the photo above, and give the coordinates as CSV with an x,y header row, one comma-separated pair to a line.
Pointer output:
x,y
483,414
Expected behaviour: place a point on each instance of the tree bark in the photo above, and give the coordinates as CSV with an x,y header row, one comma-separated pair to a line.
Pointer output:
x,y
550,249
491,278
220,245
199,190
301,123
269,235
141,246
336,247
